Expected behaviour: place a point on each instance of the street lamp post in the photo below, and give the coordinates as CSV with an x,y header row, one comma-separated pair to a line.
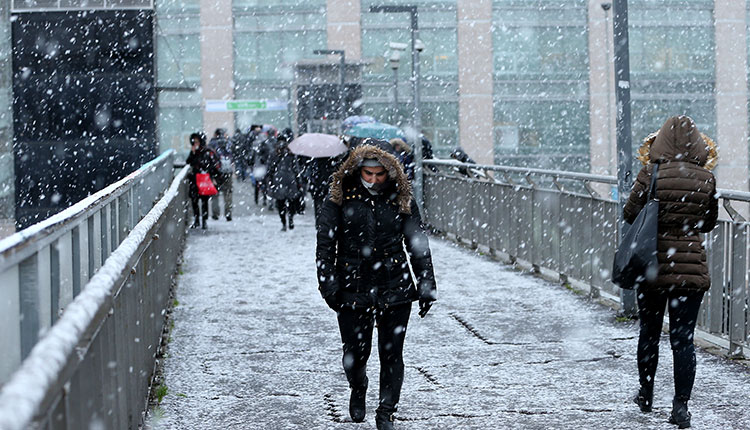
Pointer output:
x,y
394,62
342,64
624,133
416,118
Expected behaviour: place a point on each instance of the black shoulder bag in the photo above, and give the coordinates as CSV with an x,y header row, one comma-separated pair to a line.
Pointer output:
x,y
635,259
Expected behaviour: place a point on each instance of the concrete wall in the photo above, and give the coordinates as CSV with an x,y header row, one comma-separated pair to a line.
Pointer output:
x,y
602,113
475,114
731,94
217,61
344,28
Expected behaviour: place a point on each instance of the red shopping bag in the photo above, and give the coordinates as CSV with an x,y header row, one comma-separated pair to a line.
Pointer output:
x,y
205,185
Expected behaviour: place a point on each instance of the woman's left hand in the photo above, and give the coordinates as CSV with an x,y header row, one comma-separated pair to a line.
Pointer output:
x,y
424,307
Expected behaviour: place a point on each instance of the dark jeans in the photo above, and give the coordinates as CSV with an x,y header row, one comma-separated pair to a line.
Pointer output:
x,y
194,197
290,206
356,326
683,313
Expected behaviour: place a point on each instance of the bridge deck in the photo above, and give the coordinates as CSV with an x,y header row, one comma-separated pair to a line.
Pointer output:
x,y
254,346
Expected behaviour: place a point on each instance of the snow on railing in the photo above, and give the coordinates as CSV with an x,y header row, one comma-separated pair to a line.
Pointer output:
x,y
559,222
93,367
43,267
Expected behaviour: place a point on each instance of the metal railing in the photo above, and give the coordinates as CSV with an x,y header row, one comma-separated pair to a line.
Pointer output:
x,y
557,221
101,261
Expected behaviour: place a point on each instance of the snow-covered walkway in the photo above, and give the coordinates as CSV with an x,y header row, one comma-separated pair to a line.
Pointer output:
x,y
255,347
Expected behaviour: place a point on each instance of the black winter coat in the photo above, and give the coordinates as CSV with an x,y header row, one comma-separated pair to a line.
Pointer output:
x,y
366,242
284,177
203,160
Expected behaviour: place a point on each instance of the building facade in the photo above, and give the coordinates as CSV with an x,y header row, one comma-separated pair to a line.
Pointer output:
x,y
519,82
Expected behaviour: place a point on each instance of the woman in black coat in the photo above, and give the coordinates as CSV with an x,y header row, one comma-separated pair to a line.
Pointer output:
x,y
363,270
201,160
285,182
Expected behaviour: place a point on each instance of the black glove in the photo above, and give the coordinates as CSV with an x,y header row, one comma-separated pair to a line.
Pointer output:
x,y
424,307
332,302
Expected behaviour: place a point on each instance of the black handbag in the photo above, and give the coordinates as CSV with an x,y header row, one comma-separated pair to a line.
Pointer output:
x,y
635,260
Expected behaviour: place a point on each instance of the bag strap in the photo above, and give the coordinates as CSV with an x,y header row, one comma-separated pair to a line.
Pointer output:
x,y
652,189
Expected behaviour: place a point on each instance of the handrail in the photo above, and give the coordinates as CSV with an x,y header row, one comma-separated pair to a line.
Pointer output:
x,y
45,373
740,196
17,247
526,170
43,267
540,224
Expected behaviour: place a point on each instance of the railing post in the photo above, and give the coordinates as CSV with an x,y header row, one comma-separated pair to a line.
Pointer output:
x,y
28,286
10,336
737,286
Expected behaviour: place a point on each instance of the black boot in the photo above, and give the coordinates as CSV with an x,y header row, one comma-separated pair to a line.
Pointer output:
x,y
384,420
197,222
680,414
291,223
205,220
357,408
644,399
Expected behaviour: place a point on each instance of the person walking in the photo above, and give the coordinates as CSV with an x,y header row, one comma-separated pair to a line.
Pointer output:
x,y
223,148
201,160
688,206
285,183
363,272
240,153
404,155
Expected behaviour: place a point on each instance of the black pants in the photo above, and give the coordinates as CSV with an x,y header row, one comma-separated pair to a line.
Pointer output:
x,y
194,197
287,206
356,326
683,313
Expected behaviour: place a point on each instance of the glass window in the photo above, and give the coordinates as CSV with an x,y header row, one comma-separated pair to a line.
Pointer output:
x,y
672,61
438,69
269,40
541,104
178,70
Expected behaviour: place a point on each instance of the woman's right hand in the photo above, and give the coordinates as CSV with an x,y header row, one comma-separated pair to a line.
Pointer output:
x,y
332,302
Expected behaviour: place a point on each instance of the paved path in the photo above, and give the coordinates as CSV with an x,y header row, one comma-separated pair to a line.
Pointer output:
x,y
254,347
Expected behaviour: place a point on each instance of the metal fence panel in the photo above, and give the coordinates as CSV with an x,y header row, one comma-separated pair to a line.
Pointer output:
x,y
576,234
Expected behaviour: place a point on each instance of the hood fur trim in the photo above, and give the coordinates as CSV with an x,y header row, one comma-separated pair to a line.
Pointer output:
x,y
351,166
706,156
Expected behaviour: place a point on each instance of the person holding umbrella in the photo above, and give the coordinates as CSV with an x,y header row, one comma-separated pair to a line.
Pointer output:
x,y
326,152
368,227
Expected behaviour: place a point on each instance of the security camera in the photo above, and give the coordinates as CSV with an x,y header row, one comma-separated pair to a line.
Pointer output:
x,y
394,59
419,45
606,6
396,46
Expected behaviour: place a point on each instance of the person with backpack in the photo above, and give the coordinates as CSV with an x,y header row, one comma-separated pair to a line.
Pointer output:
x,y
223,148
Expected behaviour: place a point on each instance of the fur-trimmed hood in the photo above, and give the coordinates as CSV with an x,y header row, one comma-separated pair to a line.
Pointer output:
x,y
351,166
679,139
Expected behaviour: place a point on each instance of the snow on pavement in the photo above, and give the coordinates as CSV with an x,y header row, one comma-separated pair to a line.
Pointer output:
x,y
255,347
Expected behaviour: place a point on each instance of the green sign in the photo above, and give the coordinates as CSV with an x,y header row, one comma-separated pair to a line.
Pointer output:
x,y
245,105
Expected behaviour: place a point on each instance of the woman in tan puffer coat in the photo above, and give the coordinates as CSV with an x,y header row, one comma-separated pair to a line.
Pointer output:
x,y
688,206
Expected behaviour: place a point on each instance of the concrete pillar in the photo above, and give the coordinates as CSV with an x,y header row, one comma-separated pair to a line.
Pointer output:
x,y
217,61
7,177
731,94
344,28
602,112
475,82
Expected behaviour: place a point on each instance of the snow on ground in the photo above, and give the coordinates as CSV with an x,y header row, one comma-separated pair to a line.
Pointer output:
x,y
255,347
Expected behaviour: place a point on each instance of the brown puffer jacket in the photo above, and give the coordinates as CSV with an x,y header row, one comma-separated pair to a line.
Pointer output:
x,y
687,205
